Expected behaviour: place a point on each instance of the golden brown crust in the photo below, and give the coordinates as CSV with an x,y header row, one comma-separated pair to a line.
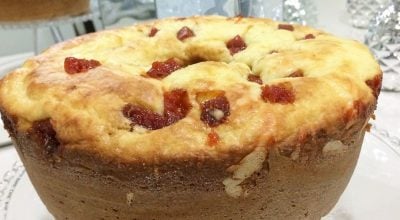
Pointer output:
x,y
280,144
85,109
26,10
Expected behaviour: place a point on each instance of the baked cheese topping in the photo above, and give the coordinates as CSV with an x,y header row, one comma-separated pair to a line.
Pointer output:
x,y
194,87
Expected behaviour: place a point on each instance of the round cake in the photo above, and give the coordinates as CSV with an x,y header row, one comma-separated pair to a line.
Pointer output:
x,y
27,10
193,118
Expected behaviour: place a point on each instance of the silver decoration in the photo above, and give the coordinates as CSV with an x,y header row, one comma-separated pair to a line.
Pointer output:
x,y
114,10
263,8
293,11
383,38
184,8
362,11
300,11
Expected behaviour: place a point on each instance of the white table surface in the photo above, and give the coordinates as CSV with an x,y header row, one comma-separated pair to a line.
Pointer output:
x,y
332,18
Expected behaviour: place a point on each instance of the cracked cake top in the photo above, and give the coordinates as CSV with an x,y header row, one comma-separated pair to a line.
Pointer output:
x,y
199,87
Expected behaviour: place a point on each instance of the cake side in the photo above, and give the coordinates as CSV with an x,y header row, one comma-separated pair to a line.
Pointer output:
x,y
291,183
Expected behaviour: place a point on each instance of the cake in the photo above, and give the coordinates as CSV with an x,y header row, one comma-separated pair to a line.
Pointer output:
x,y
28,10
193,118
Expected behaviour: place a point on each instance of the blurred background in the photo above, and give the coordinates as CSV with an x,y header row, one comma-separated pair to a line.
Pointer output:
x,y
332,16
27,29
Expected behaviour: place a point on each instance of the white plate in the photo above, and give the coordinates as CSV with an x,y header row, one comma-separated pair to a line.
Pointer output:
x,y
373,192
